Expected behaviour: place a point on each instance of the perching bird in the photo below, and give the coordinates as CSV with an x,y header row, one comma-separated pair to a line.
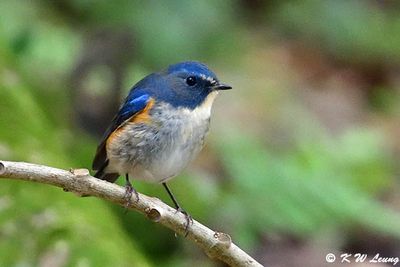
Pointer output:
x,y
160,127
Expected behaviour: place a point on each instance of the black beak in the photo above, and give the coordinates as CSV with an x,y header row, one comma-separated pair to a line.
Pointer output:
x,y
221,86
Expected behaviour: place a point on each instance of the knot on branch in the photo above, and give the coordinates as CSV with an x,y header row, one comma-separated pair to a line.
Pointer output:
x,y
223,239
80,173
153,214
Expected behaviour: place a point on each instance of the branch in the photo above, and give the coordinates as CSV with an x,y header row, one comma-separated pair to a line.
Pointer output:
x,y
215,244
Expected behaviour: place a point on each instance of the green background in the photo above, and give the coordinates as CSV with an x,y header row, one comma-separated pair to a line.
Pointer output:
x,y
301,159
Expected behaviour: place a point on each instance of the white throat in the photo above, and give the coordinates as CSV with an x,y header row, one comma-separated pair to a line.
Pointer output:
x,y
204,110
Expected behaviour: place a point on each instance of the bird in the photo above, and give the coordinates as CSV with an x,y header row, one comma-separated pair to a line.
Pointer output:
x,y
159,128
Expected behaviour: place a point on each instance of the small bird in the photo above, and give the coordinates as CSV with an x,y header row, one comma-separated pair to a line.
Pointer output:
x,y
159,128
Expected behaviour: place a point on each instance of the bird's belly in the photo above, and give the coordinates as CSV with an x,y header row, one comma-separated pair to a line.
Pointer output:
x,y
160,151
165,165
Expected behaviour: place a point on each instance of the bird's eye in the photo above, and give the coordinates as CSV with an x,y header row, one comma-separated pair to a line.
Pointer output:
x,y
191,80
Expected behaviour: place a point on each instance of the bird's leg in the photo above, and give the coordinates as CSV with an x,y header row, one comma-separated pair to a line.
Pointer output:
x,y
189,219
129,189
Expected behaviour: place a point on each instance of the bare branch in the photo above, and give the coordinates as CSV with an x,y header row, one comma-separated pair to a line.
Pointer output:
x,y
216,245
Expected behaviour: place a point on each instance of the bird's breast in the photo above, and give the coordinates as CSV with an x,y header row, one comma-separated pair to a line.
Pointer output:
x,y
160,148
178,137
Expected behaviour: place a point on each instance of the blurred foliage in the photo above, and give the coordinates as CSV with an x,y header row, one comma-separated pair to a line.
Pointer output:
x,y
272,164
358,31
36,219
316,185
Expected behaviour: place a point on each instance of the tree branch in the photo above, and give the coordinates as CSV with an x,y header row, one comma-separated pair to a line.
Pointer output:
x,y
215,244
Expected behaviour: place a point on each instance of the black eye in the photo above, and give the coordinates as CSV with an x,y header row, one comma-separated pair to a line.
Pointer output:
x,y
191,80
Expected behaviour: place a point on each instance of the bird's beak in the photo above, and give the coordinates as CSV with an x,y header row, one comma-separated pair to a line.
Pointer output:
x,y
221,86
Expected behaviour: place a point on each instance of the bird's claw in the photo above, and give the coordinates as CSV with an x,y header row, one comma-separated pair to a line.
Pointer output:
x,y
189,220
128,195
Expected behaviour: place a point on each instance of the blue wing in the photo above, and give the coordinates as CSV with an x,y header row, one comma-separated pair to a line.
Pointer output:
x,y
134,103
131,106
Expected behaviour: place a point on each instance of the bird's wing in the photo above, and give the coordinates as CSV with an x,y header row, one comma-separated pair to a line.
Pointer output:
x,y
133,107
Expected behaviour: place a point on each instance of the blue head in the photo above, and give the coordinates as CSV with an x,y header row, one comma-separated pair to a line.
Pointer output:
x,y
185,84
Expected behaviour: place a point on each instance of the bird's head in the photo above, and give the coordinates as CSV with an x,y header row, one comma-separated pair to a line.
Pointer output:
x,y
189,85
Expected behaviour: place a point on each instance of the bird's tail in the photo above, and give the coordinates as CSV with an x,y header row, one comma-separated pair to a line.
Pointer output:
x,y
101,174
111,177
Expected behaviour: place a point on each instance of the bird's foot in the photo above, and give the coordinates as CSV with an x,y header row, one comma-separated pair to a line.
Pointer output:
x,y
129,189
189,220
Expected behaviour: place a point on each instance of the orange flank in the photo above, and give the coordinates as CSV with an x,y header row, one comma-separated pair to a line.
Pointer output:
x,y
140,117
143,116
